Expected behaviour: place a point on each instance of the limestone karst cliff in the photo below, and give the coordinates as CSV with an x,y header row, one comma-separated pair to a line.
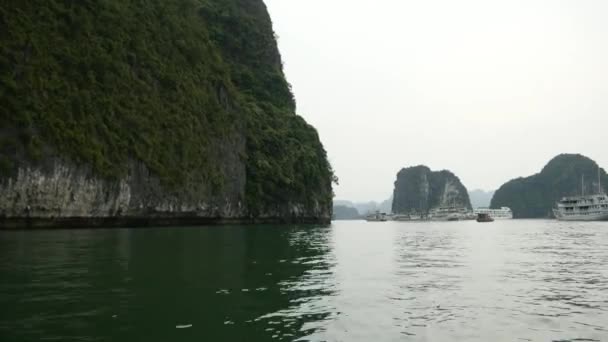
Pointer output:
x,y
130,112
418,189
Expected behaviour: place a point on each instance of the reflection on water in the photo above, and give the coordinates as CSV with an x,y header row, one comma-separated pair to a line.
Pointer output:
x,y
353,281
164,284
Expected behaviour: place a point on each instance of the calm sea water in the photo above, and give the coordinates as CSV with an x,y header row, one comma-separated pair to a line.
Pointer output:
x,y
353,281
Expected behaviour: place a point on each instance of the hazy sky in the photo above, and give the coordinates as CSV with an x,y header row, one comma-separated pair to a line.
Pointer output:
x,y
490,90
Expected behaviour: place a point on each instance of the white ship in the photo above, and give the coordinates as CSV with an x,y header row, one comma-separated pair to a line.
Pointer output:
x,y
503,213
409,217
376,217
584,207
449,214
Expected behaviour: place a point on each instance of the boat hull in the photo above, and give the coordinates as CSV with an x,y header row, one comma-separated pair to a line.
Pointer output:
x,y
503,213
408,218
446,219
582,208
593,216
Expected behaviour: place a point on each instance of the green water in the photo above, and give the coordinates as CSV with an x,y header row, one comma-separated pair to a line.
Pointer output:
x,y
352,281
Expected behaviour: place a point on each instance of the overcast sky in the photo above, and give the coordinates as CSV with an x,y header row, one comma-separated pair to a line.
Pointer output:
x,y
490,90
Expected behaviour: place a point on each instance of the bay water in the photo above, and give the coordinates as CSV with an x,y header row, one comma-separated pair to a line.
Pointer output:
x,y
512,280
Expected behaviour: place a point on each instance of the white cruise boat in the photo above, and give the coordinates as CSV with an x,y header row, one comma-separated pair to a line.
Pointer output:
x,y
376,217
584,207
409,217
449,214
503,213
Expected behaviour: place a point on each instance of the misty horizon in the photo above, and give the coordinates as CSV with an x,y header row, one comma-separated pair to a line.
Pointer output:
x,y
488,90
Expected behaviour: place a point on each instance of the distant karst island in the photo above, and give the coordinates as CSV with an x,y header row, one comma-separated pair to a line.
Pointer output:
x,y
418,189
535,196
436,195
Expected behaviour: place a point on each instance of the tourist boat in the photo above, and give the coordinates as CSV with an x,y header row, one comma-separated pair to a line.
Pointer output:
x,y
484,217
583,207
401,217
454,217
503,213
409,217
469,215
376,217
448,214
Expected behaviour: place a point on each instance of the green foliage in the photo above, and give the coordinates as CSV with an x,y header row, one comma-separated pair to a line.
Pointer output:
x,y
106,81
534,196
161,82
286,162
6,166
243,32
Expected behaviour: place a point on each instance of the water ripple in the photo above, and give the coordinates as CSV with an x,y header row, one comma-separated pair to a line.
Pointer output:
x,y
355,281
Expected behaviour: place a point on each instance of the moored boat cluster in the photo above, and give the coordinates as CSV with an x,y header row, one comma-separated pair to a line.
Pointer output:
x,y
444,214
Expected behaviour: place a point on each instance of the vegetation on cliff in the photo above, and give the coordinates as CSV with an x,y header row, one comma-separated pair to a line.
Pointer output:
x,y
163,82
418,189
534,196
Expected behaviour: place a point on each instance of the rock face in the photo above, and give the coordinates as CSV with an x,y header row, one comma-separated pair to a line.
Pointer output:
x,y
418,189
534,196
65,194
163,112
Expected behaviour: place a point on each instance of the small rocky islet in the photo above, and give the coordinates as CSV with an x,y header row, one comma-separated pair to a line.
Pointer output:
x,y
418,189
